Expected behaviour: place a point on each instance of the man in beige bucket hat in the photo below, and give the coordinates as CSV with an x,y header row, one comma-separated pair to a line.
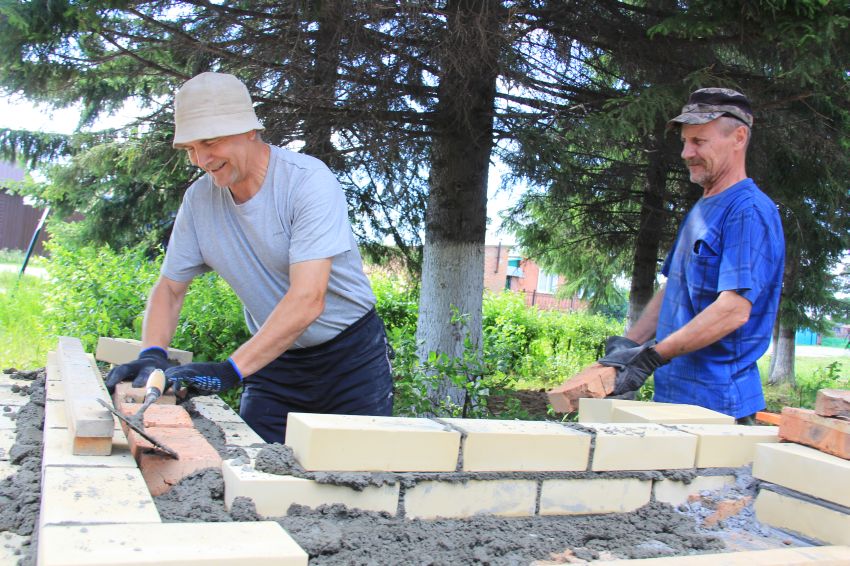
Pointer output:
x,y
714,318
274,224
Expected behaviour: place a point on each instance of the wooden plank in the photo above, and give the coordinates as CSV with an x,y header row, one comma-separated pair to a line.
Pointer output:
x,y
83,386
769,418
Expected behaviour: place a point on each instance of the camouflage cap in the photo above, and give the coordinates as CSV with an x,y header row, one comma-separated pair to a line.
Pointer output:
x,y
707,104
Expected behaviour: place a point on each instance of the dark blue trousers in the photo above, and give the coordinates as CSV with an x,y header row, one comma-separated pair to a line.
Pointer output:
x,y
347,375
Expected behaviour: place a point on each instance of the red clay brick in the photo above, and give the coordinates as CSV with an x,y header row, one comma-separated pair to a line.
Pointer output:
x,y
170,416
594,381
726,509
833,403
126,393
827,434
160,471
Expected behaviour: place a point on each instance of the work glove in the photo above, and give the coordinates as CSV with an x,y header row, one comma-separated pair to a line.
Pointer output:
x,y
139,369
617,343
206,378
633,365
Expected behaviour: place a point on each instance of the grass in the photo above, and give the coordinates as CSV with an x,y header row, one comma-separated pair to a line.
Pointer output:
x,y
24,342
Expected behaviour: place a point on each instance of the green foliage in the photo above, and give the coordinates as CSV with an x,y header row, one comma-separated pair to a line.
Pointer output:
x,y
397,302
524,348
833,375
24,341
97,291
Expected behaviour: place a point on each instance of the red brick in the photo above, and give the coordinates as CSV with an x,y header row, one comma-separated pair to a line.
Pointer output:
x,y
160,471
594,381
126,393
827,434
833,403
725,509
171,416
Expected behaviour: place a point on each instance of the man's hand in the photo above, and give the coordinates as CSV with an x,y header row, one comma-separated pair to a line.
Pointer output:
x,y
633,365
139,369
205,377
617,343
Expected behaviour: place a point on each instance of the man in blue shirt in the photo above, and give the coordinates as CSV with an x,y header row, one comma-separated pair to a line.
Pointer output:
x,y
713,320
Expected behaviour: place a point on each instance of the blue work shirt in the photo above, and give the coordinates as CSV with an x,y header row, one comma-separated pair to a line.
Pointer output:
x,y
732,241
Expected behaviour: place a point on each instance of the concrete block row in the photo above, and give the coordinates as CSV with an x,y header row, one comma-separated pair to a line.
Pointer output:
x,y
804,517
187,544
804,469
808,473
822,555
274,494
355,443
627,411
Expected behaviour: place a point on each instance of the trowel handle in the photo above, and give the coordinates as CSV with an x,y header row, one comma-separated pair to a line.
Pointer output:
x,y
155,384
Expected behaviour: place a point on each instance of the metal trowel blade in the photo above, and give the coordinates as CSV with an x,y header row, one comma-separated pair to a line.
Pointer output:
x,y
140,431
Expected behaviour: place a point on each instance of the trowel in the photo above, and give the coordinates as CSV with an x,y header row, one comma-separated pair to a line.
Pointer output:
x,y
155,387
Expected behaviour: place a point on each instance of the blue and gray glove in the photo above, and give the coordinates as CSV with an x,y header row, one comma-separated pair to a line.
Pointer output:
x,y
204,377
139,369
633,365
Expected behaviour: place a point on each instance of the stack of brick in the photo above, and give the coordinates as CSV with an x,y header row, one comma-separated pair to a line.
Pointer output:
x,y
807,477
826,428
96,509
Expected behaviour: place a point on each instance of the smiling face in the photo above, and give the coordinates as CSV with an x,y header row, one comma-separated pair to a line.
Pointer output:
x,y
714,153
227,158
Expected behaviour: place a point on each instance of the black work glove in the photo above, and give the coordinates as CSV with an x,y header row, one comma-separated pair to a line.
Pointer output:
x,y
617,343
139,369
204,377
633,365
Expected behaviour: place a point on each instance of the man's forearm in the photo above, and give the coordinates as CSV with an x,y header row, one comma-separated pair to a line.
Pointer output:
x,y
726,314
298,309
645,327
162,313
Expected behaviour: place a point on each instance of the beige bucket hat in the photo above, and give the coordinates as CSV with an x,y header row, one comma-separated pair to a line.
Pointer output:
x,y
210,105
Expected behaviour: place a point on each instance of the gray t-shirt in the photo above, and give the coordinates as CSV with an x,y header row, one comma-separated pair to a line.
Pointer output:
x,y
299,214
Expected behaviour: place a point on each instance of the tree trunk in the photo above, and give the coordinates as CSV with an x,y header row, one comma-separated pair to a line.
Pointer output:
x,y
321,91
455,222
649,235
782,367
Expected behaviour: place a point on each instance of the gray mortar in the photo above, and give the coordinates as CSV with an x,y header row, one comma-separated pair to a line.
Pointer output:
x,y
20,494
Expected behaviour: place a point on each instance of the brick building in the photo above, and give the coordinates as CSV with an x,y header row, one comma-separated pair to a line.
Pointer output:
x,y
506,270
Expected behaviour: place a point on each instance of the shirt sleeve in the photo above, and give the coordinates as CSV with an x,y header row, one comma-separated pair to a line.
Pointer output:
x,y
320,226
183,258
745,262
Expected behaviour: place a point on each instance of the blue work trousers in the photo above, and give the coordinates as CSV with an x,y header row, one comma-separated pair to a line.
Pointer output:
x,y
347,375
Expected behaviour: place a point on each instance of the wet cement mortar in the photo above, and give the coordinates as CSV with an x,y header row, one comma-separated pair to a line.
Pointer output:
x,y
335,535
20,494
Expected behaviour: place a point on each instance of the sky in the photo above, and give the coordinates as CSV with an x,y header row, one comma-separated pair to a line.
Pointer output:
x,y
19,114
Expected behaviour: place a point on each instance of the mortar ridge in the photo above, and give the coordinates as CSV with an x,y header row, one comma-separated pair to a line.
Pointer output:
x,y
463,436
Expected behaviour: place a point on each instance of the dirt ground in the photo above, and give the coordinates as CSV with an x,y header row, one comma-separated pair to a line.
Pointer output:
x,y
336,535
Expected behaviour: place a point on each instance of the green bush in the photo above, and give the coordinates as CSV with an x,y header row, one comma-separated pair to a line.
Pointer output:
x,y
98,291
103,292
